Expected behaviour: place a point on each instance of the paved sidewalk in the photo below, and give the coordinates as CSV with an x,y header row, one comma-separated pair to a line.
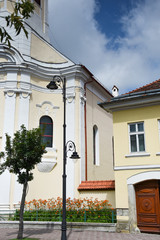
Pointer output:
x,y
50,234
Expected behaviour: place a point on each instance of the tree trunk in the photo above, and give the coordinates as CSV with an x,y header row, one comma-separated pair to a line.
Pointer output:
x,y
20,231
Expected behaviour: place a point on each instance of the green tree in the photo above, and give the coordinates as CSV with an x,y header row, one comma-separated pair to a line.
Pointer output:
x,y
21,155
22,10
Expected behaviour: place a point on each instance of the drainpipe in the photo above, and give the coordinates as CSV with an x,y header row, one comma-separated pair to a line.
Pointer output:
x,y
85,129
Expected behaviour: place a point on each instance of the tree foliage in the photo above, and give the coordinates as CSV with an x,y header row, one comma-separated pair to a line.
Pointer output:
x,y
22,11
21,155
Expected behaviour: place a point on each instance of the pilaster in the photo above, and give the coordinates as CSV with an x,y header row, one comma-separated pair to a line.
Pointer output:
x,y
82,102
9,116
24,98
70,133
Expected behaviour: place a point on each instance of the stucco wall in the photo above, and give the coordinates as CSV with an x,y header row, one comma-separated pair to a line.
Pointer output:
x,y
103,120
2,4
38,47
100,195
127,166
10,6
47,184
150,116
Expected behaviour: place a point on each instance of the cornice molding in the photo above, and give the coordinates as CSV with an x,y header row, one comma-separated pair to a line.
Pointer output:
x,y
121,168
20,91
25,64
70,91
131,103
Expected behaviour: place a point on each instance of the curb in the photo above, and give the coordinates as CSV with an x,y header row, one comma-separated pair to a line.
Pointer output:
x,y
106,227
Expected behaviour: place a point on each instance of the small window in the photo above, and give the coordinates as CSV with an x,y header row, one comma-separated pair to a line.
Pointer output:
x,y
136,137
95,145
38,2
46,125
159,128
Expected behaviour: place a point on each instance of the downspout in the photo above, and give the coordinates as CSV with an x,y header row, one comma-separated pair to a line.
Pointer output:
x,y
85,129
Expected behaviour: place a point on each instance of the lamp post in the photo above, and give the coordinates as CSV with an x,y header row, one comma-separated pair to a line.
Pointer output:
x,y
57,82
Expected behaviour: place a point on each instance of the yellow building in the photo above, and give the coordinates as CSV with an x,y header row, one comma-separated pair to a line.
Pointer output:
x,y
136,124
25,70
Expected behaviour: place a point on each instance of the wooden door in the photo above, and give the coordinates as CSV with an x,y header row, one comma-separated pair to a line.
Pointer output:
x,y
148,206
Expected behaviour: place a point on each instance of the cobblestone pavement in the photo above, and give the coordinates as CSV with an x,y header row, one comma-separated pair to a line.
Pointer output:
x,y
50,234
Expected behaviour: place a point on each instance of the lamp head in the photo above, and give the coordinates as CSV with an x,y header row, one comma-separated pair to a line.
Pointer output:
x,y
52,85
74,155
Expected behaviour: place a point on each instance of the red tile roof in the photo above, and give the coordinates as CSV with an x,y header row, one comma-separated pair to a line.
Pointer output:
x,y
97,185
150,86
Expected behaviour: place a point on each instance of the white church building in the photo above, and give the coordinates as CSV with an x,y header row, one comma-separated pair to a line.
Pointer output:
x,y
25,70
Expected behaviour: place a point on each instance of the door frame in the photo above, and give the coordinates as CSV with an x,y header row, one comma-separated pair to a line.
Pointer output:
x,y
131,181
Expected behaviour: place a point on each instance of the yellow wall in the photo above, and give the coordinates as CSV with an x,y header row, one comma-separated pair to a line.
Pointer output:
x,y
37,8
100,195
2,59
121,185
47,185
38,47
10,5
2,4
150,116
103,120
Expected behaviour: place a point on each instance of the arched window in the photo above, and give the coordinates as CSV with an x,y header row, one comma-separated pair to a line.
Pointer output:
x,y
46,125
95,145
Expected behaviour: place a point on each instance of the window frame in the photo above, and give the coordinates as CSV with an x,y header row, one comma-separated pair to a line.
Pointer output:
x,y
50,135
136,133
95,146
159,128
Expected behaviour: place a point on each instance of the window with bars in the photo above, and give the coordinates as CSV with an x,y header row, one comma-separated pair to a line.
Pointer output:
x,y
46,126
136,137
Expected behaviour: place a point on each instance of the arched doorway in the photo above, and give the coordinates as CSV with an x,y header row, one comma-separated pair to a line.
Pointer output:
x,y
148,206
131,183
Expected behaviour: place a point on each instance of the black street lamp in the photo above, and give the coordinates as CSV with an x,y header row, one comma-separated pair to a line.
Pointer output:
x,y
55,84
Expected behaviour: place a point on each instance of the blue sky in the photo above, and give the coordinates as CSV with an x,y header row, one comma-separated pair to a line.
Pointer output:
x,y
117,40
109,14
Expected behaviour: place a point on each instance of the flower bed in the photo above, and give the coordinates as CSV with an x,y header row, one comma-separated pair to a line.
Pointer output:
x,y
77,210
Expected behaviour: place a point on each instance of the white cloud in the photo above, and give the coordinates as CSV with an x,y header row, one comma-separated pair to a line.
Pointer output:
x,y
134,63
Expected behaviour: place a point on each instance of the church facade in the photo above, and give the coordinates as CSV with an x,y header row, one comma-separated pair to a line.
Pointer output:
x,y
25,70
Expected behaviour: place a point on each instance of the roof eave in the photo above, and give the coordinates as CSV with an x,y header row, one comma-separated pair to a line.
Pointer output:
x,y
129,102
96,80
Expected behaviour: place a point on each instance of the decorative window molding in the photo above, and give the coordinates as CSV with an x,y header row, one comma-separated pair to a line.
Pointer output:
x,y
136,137
47,108
139,154
46,102
47,164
